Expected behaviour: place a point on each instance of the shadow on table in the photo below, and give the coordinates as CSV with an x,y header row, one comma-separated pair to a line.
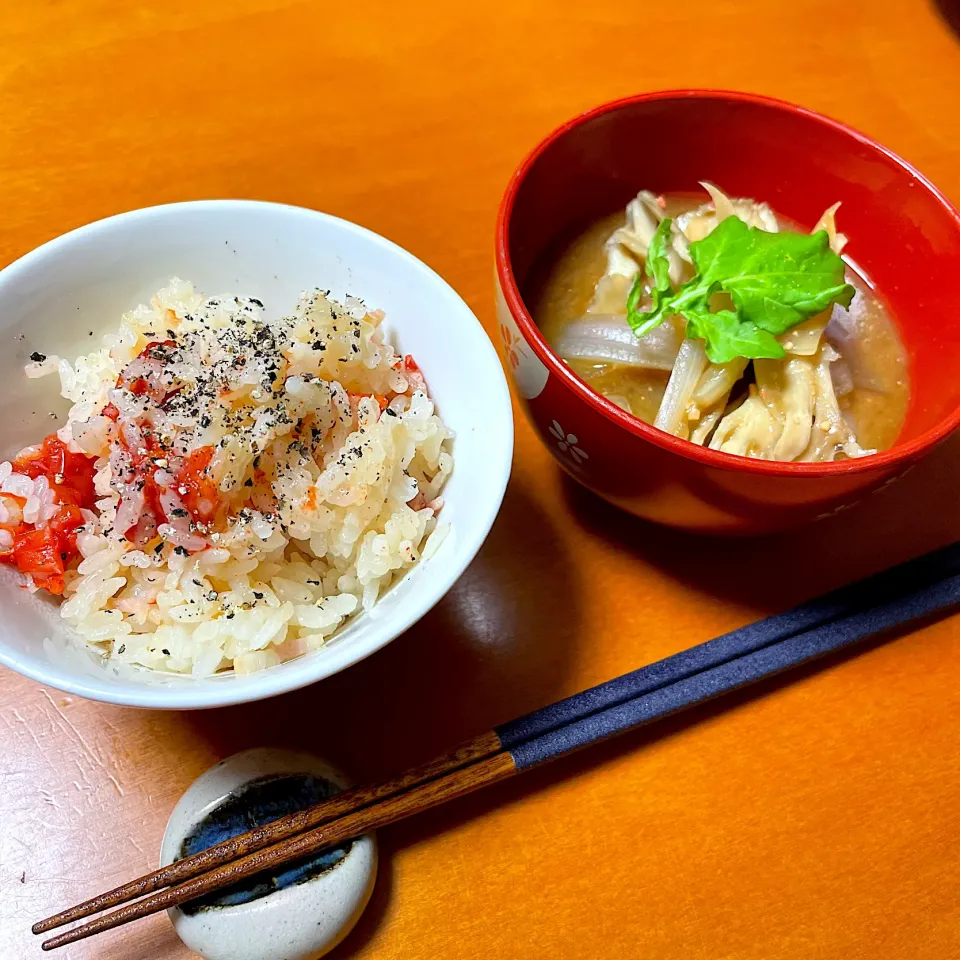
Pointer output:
x,y
376,910
487,802
918,513
949,11
500,643
153,937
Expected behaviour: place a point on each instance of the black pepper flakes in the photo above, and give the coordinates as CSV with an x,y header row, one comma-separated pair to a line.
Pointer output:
x,y
181,551
38,357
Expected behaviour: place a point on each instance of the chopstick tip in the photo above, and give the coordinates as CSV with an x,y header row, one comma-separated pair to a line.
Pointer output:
x,y
62,939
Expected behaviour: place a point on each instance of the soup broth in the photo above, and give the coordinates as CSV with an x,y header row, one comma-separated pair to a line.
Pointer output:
x,y
869,379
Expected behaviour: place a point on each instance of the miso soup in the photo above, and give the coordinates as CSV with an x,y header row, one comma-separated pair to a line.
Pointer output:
x,y
839,387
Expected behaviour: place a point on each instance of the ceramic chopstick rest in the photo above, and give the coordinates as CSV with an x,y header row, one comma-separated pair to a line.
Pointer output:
x,y
297,913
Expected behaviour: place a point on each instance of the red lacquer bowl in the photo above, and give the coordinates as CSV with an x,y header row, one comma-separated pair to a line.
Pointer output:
x,y
904,237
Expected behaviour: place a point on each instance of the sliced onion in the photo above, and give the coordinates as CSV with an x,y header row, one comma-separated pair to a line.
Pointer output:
x,y
152,373
687,371
132,436
828,222
177,528
803,340
717,382
608,338
842,378
121,465
145,530
845,333
704,429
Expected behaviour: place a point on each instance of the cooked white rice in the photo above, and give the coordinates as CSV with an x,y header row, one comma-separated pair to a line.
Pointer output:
x,y
327,498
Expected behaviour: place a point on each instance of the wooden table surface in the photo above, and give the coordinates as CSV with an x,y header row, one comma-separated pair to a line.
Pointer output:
x,y
811,820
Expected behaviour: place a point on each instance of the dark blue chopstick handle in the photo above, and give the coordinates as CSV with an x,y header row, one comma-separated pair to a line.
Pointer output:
x,y
739,672
808,616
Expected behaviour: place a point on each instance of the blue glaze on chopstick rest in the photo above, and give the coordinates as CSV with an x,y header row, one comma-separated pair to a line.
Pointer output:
x,y
255,803
892,583
938,597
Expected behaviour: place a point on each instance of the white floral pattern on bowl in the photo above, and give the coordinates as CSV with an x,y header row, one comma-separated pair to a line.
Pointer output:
x,y
513,348
567,442
524,366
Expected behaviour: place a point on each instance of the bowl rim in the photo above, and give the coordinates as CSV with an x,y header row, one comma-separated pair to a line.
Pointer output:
x,y
884,460
229,691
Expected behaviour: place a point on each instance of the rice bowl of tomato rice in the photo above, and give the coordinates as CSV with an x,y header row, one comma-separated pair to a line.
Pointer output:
x,y
256,480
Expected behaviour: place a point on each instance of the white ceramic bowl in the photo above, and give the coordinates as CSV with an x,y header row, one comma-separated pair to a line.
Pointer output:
x,y
54,296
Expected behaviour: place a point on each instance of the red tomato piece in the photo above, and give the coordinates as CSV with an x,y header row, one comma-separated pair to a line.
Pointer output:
x,y
45,552
69,474
152,514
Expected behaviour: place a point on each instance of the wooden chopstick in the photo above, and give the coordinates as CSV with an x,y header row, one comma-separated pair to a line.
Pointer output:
x,y
811,615
427,795
732,674
281,829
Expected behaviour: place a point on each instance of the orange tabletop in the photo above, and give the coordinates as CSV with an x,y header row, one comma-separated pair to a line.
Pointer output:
x,y
812,819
